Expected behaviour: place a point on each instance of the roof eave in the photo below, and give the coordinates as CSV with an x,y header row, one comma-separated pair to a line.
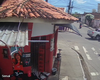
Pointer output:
x,y
36,20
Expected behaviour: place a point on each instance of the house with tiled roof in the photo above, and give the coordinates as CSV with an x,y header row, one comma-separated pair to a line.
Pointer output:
x,y
95,21
28,38
63,9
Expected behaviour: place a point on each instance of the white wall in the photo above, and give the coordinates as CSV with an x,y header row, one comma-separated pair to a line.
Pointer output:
x,y
98,7
96,23
83,19
40,29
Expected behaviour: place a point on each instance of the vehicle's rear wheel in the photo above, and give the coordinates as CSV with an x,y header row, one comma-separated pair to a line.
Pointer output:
x,y
97,37
92,37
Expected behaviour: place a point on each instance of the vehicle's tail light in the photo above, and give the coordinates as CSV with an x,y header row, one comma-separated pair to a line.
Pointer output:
x,y
92,32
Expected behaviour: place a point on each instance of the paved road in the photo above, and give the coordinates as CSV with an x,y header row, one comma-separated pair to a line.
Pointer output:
x,y
90,49
70,64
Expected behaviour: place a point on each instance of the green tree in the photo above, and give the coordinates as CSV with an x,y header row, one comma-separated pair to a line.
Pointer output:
x,y
89,18
76,14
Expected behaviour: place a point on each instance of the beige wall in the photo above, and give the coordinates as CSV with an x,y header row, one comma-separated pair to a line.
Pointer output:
x,y
40,29
96,23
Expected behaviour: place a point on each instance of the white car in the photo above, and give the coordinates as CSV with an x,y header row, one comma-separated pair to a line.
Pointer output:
x,y
94,34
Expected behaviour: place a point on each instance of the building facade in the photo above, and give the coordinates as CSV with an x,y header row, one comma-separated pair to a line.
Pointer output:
x,y
98,7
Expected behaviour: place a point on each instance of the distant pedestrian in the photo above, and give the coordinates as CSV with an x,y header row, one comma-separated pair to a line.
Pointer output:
x,y
96,29
80,26
67,28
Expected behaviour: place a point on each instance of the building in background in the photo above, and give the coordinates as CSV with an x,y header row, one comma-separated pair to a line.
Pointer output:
x,y
93,10
98,7
95,23
63,9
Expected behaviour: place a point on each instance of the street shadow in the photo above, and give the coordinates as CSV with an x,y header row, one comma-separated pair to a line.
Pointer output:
x,y
90,39
73,32
89,27
98,40
61,31
85,26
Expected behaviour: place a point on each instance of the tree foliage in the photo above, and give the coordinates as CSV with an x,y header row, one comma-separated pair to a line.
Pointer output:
x,y
76,14
89,18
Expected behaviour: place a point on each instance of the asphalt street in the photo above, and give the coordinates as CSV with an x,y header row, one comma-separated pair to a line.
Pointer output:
x,y
89,49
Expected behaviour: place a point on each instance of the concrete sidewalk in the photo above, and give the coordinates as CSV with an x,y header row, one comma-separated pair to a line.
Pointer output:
x,y
92,28
70,64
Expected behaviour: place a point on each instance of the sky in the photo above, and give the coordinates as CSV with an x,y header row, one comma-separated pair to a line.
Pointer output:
x,y
79,6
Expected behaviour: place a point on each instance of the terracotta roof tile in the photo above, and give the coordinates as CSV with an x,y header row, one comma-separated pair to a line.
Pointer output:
x,y
62,9
32,9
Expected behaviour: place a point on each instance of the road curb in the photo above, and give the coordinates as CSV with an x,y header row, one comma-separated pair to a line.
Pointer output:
x,y
84,66
91,28
88,27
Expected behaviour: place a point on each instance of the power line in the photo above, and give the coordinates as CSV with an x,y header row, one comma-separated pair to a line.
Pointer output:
x,y
61,5
92,3
64,1
73,0
75,7
85,5
46,0
69,6
72,6
82,8
56,1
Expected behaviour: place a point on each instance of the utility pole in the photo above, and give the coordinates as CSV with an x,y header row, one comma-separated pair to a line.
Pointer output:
x,y
46,0
69,7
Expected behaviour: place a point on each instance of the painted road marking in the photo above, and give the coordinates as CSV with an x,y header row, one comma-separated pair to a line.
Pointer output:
x,y
94,51
76,48
93,48
85,49
81,67
65,78
94,73
87,55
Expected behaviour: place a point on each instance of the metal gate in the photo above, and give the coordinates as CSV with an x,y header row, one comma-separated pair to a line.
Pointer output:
x,y
38,54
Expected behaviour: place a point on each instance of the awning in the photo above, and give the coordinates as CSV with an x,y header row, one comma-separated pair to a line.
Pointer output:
x,y
14,34
75,29
71,27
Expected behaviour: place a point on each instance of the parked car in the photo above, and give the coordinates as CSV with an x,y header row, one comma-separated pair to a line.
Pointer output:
x,y
94,34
